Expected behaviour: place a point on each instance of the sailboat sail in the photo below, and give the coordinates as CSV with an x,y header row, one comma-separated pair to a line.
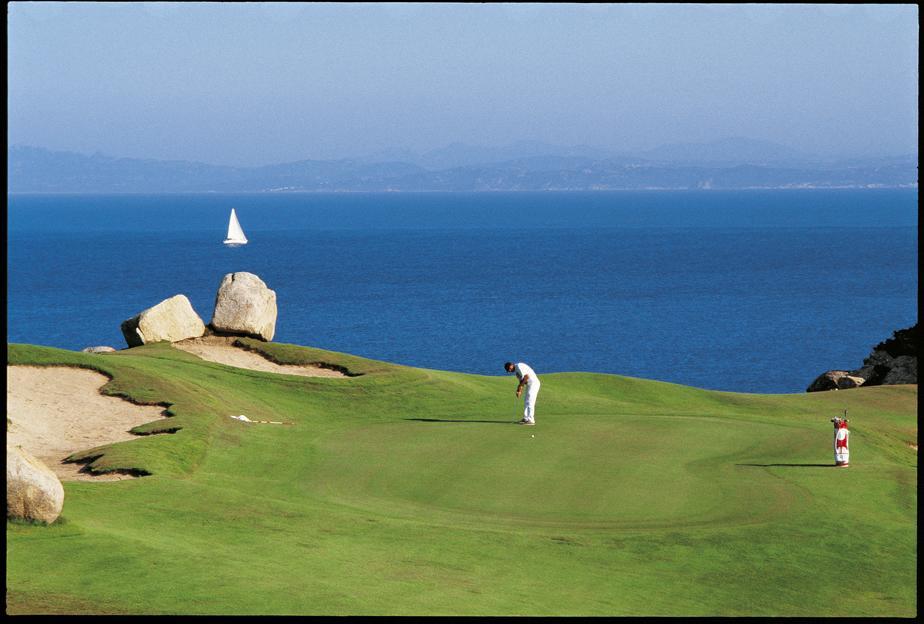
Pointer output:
x,y
235,233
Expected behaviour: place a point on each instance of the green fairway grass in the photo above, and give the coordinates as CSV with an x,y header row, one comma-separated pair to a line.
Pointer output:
x,y
405,491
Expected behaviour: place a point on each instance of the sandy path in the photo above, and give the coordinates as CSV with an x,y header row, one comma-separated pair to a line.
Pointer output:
x,y
58,410
219,349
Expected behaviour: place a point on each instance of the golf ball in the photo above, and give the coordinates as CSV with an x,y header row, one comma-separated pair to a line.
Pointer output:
x,y
533,436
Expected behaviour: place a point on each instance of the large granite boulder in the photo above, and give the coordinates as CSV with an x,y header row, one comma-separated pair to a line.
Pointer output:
x,y
172,320
33,491
244,305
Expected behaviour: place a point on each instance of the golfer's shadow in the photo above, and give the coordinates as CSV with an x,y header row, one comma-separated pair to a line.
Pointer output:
x,y
460,420
790,465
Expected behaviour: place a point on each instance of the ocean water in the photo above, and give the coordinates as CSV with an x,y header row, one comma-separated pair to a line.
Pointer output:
x,y
746,291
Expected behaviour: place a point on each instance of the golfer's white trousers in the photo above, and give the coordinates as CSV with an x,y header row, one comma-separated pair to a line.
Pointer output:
x,y
529,402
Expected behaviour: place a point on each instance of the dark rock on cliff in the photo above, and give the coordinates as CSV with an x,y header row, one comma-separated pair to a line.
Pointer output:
x,y
893,361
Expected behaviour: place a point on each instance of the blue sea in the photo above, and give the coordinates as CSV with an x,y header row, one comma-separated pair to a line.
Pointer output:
x,y
746,291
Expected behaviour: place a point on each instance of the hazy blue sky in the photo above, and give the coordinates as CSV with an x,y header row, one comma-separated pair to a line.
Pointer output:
x,y
259,83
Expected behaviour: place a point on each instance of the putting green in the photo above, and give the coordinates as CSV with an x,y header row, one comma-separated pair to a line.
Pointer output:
x,y
598,475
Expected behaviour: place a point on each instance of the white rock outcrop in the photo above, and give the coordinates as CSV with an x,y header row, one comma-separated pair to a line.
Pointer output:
x,y
172,320
33,491
245,305
827,381
850,381
100,349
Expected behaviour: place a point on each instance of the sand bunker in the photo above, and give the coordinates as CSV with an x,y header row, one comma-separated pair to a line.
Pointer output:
x,y
56,411
219,349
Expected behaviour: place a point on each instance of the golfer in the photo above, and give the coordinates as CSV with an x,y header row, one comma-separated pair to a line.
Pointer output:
x,y
528,378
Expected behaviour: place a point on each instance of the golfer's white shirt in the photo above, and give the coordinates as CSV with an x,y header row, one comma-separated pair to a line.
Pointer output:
x,y
522,370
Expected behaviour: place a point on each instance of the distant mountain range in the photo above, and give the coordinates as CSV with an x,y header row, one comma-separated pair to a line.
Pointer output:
x,y
733,163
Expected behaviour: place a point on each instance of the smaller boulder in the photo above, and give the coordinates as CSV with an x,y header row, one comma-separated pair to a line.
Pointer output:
x,y
245,306
172,320
98,350
827,381
33,491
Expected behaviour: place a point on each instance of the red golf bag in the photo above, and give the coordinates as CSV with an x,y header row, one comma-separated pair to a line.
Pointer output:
x,y
841,442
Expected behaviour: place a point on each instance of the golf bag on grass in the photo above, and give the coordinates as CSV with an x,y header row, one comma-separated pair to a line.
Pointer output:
x,y
841,441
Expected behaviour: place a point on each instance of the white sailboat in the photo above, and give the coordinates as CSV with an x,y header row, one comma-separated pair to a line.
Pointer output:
x,y
235,233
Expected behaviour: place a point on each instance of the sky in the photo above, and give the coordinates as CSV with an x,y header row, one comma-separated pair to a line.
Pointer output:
x,y
258,83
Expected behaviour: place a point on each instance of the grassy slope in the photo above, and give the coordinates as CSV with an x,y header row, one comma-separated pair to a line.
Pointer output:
x,y
407,491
